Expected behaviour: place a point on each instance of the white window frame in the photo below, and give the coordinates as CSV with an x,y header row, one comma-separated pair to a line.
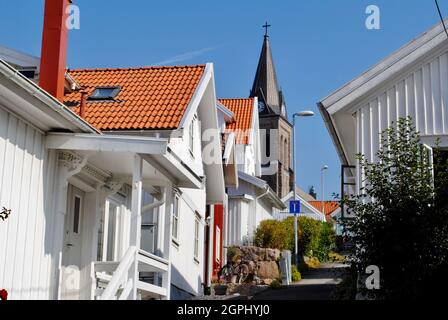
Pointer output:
x,y
175,219
197,236
430,154
191,135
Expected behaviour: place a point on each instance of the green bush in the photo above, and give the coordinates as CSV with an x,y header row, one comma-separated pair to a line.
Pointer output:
x,y
276,284
327,241
231,253
295,274
404,229
315,238
270,234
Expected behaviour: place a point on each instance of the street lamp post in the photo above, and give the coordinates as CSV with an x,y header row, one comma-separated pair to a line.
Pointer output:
x,y
322,171
296,229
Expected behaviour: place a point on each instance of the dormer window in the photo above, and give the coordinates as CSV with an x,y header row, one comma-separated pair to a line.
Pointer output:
x,y
105,93
30,73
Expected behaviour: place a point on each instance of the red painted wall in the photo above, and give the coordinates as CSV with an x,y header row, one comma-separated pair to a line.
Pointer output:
x,y
218,223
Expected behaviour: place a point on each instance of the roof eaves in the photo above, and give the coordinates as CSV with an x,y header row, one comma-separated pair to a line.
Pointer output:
x,y
47,99
434,36
252,180
230,116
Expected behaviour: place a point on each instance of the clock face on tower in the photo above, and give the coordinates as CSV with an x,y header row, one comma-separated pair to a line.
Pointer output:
x,y
261,106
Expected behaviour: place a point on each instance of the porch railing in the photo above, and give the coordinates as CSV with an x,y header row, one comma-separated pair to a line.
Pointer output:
x,y
121,280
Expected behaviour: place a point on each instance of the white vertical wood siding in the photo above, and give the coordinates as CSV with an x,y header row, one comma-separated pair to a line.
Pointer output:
x,y
25,246
421,94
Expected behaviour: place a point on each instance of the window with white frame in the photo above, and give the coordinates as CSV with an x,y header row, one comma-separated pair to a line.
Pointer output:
x,y
175,230
191,135
197,224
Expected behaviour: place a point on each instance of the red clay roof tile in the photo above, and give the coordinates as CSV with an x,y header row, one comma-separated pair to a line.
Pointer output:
x,y
329,206
243,110
150,97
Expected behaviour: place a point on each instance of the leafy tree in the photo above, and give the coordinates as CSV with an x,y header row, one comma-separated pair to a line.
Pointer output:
x,y
315,238
401,216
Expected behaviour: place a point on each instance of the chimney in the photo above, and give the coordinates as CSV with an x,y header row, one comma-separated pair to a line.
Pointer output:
x,y
83,105
54,48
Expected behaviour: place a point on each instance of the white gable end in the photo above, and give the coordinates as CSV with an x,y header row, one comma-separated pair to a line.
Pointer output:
x,y
411,82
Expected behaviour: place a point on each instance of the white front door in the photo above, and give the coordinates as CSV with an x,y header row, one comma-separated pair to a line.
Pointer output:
x,y
72,254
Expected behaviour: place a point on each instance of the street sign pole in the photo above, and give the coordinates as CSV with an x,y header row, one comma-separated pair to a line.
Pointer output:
x,y
296,242
294,207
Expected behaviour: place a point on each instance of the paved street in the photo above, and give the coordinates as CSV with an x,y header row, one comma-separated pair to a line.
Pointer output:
x,y
315,285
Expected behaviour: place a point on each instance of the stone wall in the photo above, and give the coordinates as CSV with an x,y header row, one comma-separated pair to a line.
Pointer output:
x,y
262,262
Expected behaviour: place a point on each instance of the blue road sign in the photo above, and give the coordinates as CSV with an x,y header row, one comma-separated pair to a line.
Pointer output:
x,y
294,206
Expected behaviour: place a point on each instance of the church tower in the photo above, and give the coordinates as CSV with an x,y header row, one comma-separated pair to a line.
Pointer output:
x,y
275,129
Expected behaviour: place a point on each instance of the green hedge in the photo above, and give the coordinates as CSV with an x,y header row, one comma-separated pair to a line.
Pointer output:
x,y
316,238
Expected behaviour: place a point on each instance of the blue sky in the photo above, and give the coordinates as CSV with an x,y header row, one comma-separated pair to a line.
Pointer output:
x,y
317,46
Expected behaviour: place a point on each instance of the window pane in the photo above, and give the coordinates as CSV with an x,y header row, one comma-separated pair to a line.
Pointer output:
x,y
175,231
99,255
268,143
191,135
104,93
76,214
196,238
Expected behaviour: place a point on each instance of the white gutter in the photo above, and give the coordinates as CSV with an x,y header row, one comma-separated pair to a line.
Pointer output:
x,y
332,130
46,98
228,115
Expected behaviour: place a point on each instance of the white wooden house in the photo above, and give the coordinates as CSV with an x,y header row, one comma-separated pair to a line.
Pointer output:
x,y
306,208
94,215
412,81
252,200
107,185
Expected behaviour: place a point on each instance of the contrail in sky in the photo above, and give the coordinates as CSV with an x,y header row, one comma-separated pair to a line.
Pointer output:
x,y
186,56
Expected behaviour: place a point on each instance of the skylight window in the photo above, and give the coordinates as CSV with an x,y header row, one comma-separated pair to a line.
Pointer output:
x,y
105,93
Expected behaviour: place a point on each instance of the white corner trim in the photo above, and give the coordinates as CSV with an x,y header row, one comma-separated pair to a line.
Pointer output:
x,y
197,96
227,113
230,144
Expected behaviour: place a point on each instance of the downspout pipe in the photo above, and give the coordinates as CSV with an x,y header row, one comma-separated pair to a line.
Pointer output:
x,y
154,205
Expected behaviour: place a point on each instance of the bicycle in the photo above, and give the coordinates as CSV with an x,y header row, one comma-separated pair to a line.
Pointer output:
x,y
239,270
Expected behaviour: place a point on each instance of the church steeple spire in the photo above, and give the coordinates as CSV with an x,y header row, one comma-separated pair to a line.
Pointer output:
x,y
266,26
265,85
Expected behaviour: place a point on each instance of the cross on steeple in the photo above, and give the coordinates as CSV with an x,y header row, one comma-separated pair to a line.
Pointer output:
x,y
267,26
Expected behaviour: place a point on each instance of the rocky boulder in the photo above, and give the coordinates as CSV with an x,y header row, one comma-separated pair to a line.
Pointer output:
x,y
257,254
268,270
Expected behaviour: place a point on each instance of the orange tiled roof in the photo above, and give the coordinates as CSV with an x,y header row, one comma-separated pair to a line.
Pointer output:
x,y
243,110
329,206
150,97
